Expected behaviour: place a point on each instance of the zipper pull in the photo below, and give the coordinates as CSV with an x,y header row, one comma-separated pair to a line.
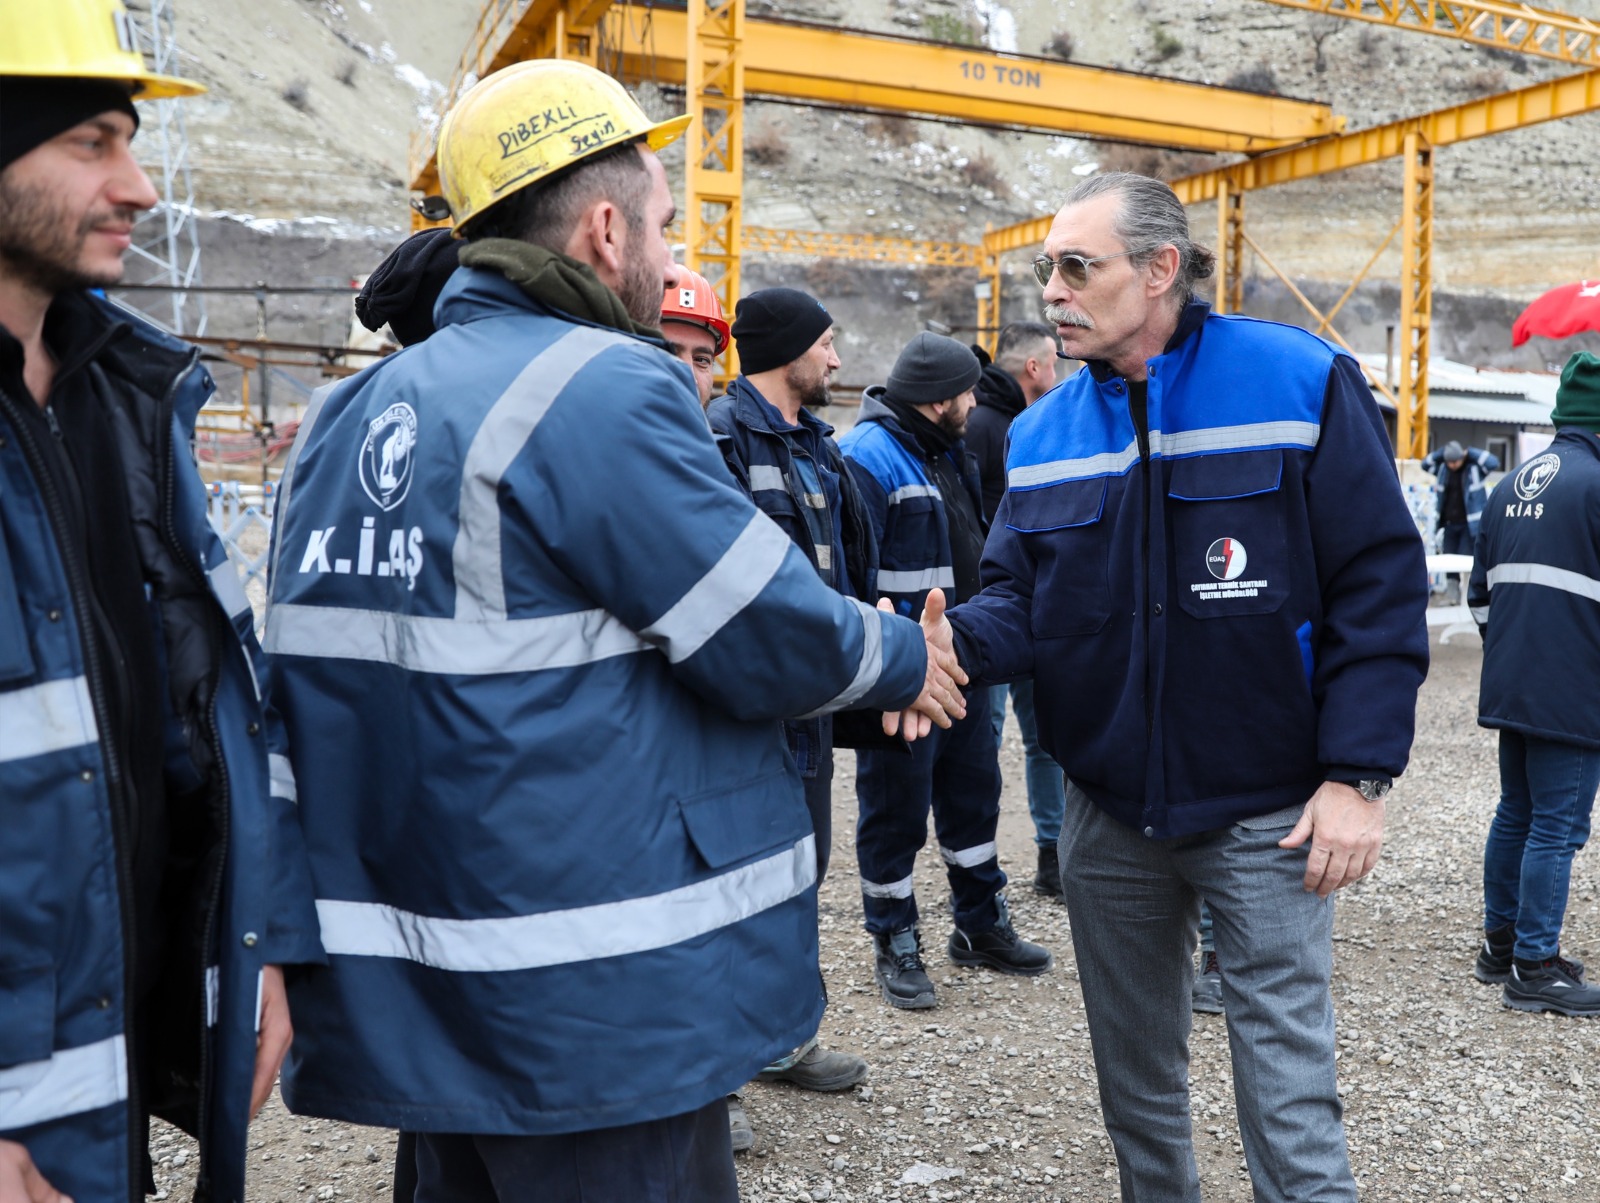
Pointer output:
x,y
50,417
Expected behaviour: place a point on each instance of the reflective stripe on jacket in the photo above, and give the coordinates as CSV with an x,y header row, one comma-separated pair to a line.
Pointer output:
x,y
64,1078
1214,628
533,641
1535,592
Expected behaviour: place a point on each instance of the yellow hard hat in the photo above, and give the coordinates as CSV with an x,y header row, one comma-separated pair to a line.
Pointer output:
x,y
528,121
80,39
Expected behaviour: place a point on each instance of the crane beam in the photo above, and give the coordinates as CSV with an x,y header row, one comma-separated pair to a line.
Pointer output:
x,y
1516,27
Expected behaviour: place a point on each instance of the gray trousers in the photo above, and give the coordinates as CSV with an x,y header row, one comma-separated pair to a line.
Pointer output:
x,y
1134,905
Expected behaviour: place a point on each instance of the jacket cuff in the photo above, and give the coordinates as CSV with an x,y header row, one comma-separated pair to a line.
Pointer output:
x,y
969,654
1347,774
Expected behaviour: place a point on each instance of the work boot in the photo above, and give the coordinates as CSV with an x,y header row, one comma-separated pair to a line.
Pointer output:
x,y
1493,965
1000,947
812,1067
739,1129
1205,996
1552,985
1047,880
898,968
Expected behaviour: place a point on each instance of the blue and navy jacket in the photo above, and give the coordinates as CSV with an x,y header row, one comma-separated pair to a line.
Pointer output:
x,y
1535,592
1217,626
533,643
241,896
1477,464
759,458
904,504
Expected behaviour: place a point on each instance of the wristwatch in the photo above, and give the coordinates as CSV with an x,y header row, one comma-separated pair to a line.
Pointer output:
x,y
1374,789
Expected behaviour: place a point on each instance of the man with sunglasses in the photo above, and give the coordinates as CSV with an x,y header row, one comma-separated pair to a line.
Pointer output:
x,y
1204,560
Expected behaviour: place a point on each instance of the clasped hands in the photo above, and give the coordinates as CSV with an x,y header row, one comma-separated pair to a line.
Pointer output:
x,y
940,701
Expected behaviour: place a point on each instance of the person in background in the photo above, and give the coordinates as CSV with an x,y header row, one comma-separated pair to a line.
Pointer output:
x,y
921,488
1024,369
1535,593
403,289
694,327
153,882
1461,491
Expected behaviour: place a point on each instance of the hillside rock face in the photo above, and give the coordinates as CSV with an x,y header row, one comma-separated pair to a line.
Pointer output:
x,y
313,103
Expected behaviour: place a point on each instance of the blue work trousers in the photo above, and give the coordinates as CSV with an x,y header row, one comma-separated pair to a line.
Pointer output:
x,y
956,772
1047,796
1547,792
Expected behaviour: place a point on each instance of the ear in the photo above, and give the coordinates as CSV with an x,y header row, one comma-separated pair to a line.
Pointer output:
x,y
600,239
1162,271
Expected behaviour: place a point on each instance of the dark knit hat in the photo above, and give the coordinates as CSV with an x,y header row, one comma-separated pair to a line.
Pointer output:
x,y
931,369
1578,398
777,326
33,110
402,291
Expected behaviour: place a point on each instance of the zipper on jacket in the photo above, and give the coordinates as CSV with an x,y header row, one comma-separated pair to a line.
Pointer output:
x,y
82,604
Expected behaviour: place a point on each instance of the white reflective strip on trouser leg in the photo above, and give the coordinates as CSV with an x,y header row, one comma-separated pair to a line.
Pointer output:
x,y
968,858
226,585
1544,574
717,598
48,717
281,776
767,478
1480,614
505,431
893,889
71,1082
443,645
870,666
589,933
890,581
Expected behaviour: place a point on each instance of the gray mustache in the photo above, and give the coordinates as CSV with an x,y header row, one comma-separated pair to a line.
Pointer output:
x,y
1061,315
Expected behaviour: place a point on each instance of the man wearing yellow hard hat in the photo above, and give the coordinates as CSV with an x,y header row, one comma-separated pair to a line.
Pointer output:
x,y
531,642
152,879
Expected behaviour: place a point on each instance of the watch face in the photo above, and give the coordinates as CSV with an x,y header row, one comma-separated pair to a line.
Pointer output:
x,y
1373,790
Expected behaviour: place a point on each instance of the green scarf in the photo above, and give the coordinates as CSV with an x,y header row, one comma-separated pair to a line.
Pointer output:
x,y
1578,398
556,280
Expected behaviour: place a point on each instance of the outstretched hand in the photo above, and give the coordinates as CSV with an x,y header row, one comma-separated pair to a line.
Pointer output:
x,y
940,701
20,1179
1346,834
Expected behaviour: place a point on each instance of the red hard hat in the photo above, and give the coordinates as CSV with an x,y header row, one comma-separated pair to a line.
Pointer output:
x,y
692,299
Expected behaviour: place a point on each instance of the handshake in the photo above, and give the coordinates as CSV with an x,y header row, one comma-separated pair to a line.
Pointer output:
x,y
940,700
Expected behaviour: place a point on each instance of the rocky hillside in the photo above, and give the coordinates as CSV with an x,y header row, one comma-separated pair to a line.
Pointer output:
x,y
303,140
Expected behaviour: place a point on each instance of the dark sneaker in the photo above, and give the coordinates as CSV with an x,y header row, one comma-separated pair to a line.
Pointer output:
x,y
1000,948
1493,965
1206,994
813,1067
739,1129
1555,985
898,968
1047,879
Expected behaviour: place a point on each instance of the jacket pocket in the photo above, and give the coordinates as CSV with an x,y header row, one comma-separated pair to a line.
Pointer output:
x,y
1227,528
1066,533
27,1013
16,657
738,824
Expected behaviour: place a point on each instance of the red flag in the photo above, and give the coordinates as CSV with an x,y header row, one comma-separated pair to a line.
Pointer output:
x,y
1560,313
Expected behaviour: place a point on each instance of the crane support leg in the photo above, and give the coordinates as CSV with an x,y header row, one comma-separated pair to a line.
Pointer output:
x,y
988,294
714,179
1416,299
1230,250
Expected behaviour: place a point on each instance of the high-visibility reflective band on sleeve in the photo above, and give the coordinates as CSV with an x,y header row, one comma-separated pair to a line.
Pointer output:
x,y
1480,614
908,491
282,777
1252,436
70,1082
226,585
590,933
892,889
735,580
49,717
767,477
447,645
868,669
890,581
1543,574
968,858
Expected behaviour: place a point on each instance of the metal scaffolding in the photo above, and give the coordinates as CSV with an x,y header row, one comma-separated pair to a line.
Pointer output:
x,y
166,241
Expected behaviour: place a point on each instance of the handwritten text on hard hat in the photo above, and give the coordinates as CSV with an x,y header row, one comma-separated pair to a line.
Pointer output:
x,y
536,127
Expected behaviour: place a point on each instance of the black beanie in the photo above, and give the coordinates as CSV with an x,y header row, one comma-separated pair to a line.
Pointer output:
x,y
34,109
404,288
776,326
932,369
1578,398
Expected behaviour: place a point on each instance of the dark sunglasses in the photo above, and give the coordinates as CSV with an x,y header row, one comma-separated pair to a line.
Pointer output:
x,y
1074,269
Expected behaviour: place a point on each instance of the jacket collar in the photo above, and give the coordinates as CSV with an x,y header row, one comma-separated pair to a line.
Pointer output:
x,y
473,293
998,389
754,411
875,409
1189,322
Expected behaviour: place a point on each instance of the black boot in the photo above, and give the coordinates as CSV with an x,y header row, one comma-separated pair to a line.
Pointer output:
x,y
1000,948
899,970
1494,958
1047,880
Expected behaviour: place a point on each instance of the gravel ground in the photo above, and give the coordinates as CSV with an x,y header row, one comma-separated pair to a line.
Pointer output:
x,y
992,1094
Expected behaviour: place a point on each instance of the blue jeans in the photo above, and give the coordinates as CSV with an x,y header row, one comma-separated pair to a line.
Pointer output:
x,y
1547,794
1047,796
1134,906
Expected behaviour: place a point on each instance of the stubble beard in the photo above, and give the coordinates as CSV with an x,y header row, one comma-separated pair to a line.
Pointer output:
x,y
39,248
953,423
813,391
